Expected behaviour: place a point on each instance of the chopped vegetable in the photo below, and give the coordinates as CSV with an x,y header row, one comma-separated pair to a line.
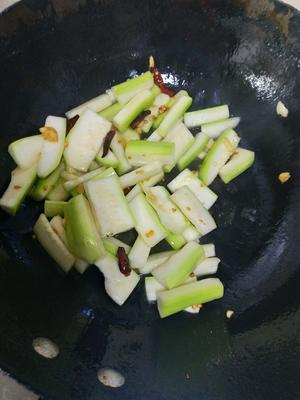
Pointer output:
x,y
118,151
241,160
112,244
43,186
229,314
111,111
214,129
52,208
194,210
20,184
172,301
85,139
141,152
153,286
154,260
140,174
58,191
195,149
53,134
173,114
53,244
69,185
177,268
83,237
112,213
196,118
218,155
127,90
208,266
132,109
26,151
96,104
175,240
209,250
169,214
139,253
147,223
117,285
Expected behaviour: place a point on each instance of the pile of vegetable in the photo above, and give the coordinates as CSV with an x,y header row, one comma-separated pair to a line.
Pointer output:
x,y
99,173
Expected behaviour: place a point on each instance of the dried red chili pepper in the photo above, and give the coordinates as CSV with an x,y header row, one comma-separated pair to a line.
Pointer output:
x,y
158,80
71,122
135,123
126,190
107,141
123,261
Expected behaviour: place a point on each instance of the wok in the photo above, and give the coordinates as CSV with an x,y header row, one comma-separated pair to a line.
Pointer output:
x,y
54,55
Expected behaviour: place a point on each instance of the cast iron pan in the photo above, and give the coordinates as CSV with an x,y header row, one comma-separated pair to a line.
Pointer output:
x,y
56,54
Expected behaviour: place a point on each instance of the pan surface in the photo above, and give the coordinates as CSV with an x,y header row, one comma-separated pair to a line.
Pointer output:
x,y
56,54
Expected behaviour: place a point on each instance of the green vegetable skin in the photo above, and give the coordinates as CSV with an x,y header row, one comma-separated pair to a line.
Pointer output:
x,y
69,185
112,244
152,286
172,301
126,90
43,186
175,240
20,184
53,207
117,285
154,260
118,150
52,151
110,112
241,160
85,139
196,118
147,223
197,147
58,192
218,155
161,100
170,104
132,109
177,268
191,207
52,243
110,160
96,104
141,152
26,151
173,114
109,205
82,234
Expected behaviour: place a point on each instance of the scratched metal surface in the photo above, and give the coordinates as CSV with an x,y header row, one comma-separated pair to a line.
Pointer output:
x,y
55,54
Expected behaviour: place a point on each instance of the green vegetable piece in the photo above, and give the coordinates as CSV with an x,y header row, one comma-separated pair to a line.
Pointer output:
x,y
147,223
241,160
54,133
53,244
53,207
154,260
26,151
175,240
172,301
118,151
85,139
96,104
173,114
20,184
58,192
112,244
127,90
82,234
111,111
218,155
117,286
43,186
196,148
132,109
196,118
177,268
214,129
140,174
139,253
142,152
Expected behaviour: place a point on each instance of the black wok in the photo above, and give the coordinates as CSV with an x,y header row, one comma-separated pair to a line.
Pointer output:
x,y
54,55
